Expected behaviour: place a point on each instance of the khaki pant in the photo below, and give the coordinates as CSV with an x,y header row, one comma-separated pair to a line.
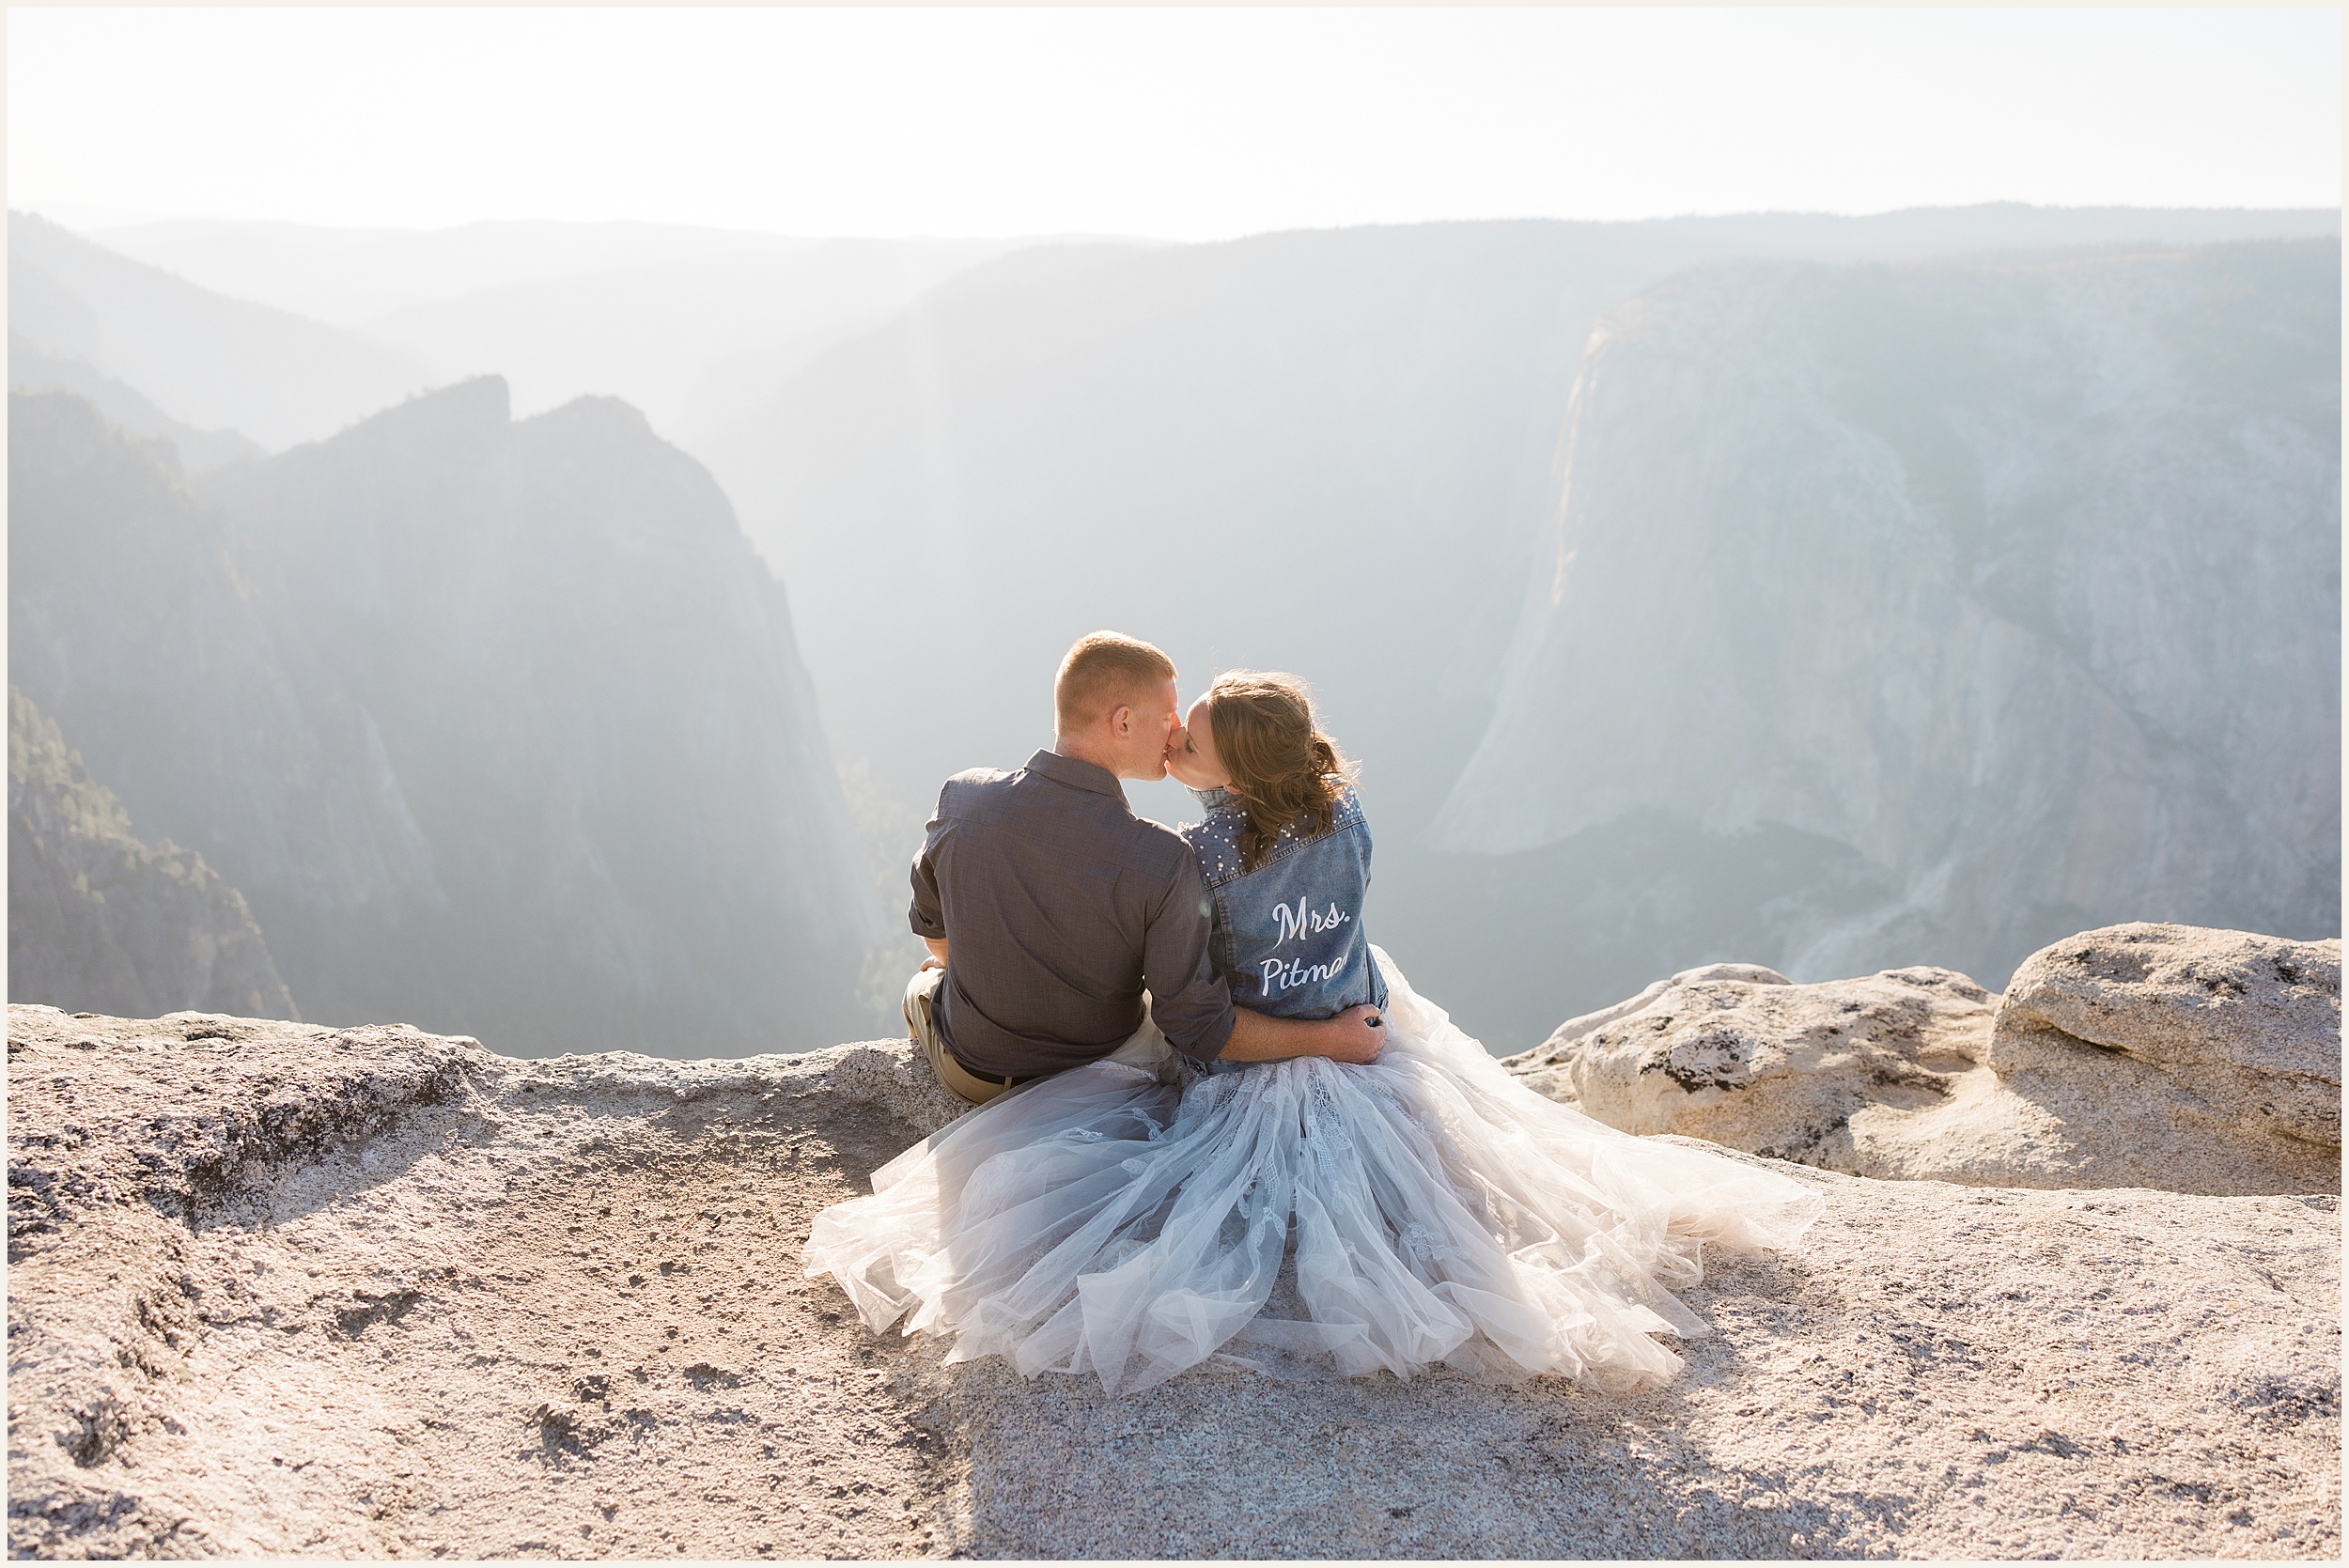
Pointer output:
x,y
921,991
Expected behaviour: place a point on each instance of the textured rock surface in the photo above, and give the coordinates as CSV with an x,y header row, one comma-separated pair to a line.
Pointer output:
x,y
2248,1026
2196,1061
283,1289
1835,1075
98,919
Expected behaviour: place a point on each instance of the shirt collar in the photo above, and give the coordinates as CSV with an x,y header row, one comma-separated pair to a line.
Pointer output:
x,y
1076,774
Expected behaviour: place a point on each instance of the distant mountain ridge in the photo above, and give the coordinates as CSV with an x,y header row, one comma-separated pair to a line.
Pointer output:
x,y
348,277
682,323
1071,435
677,337
496,724
30,369
203,359
1335,452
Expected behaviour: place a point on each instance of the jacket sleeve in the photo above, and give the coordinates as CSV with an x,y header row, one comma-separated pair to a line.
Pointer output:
x,y
927,915
1191,1004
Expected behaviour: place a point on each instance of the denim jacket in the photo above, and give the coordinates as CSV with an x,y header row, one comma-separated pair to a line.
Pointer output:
x,y
1288,935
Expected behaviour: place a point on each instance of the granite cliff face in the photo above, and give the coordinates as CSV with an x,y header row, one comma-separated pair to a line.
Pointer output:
x,y
162,641
99,921
497,725
1931,613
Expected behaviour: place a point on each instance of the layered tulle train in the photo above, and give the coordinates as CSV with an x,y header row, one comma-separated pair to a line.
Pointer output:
x,y
1134,1217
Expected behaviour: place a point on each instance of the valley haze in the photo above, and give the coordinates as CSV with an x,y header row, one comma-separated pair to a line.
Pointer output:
x,y
1832,594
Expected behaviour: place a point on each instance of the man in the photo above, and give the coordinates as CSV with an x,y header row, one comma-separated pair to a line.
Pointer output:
x,y
1061,906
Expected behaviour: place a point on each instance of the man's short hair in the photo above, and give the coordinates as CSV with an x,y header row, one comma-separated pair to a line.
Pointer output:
x,y
1104,672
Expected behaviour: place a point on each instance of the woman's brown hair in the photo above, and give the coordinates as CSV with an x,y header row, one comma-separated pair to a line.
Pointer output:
x,y
1283,770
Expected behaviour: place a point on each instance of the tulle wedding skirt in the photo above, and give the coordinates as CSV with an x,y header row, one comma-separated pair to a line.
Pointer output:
x,y
1136,1217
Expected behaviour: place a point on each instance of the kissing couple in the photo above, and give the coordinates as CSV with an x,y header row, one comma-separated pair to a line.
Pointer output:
x,y
1214,1120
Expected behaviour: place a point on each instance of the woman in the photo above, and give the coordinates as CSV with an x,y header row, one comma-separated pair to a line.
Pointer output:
x,y
1140,1215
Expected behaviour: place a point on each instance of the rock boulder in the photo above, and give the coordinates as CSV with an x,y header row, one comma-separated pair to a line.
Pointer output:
x,y
2155,1056
2244,1030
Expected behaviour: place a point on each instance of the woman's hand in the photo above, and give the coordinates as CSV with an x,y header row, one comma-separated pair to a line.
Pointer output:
x,y
1358,1035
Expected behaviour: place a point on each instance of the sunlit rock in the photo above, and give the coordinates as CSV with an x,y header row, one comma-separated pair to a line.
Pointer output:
x,y
2154,1056
282,1290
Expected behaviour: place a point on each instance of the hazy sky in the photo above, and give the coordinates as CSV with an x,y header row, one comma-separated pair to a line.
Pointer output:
x,y
1186,124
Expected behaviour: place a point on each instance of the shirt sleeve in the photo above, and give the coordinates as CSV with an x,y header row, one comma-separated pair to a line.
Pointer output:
x,y
927,915
1191,1004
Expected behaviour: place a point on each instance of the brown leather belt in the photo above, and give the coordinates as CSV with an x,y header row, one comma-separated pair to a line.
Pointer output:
x,y
965,1083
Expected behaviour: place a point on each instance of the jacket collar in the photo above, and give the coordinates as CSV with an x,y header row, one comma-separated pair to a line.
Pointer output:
x,y
1076,774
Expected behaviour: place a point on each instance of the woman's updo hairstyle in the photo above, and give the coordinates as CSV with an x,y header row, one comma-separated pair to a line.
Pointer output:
x,y
1283,770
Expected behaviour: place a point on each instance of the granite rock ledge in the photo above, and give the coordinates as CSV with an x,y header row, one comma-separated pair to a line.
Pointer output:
x,y
286,1289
